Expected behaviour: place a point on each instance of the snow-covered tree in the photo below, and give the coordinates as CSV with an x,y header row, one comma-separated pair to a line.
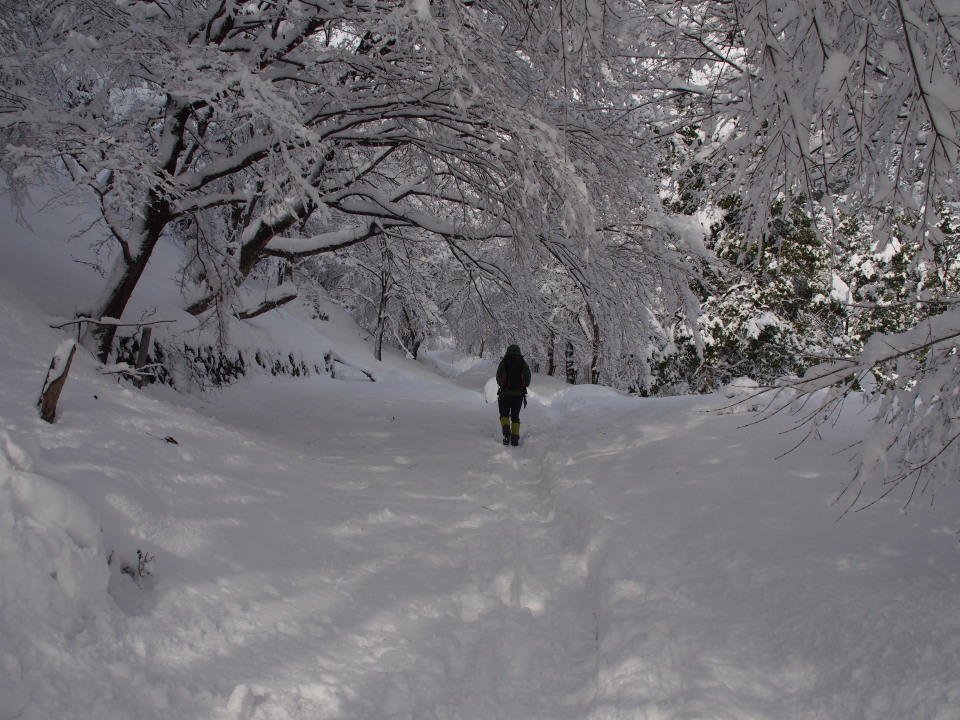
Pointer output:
x,y
391,287
770,314
253,130
853,107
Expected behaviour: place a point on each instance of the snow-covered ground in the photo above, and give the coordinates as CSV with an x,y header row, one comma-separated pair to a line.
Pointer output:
x,y
342,549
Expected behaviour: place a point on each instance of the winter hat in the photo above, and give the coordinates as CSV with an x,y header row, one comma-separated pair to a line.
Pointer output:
x,y
513,350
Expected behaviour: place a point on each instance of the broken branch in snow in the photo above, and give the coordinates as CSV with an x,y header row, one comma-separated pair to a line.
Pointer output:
x,y
57,324
274,298
332,358
127,371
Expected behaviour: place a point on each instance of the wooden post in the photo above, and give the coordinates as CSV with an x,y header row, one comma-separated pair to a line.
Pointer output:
x,y
56,377
146,336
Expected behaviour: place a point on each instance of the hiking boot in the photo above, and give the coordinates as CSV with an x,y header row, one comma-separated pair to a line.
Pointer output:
x,y
514,440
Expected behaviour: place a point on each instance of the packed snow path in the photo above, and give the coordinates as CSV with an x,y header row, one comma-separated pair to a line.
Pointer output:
x,y
369,551
436,581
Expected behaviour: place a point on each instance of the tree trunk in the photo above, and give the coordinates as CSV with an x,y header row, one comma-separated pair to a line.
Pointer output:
x,y
551,356
378,342
139,245
386,282
595,348
381,317
127,271
381,322
571,369
411,341
146,340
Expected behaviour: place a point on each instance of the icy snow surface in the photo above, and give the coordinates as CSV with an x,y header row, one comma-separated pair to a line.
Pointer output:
x,y
330,549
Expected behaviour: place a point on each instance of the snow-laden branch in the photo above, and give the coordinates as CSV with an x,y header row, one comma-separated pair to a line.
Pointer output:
x,y
913,440
292,247
382,207
937,334
273,298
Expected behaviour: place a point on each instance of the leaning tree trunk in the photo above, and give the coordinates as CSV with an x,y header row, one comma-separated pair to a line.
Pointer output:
x,y
123,280
256,236
140,243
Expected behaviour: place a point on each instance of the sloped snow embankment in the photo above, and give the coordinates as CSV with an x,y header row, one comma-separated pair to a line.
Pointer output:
x,y
722,583
52,547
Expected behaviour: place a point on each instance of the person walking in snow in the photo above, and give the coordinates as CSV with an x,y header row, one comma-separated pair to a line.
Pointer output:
x,y
513,379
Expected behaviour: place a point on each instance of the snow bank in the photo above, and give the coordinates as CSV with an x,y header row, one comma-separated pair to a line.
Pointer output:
x,y
490,390
49,542
744,395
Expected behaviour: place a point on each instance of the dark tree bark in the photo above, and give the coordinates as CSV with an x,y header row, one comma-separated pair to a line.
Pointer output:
x,y
54,382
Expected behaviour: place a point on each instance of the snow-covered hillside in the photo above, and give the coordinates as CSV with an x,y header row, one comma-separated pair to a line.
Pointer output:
x,y
343,549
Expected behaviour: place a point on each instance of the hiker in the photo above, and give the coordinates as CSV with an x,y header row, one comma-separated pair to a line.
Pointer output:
x,y
513,378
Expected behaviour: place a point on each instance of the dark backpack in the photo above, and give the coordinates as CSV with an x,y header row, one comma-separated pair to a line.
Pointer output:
x,y
513,373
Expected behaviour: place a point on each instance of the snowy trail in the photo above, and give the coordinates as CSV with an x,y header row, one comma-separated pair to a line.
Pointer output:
x,y
356,551
336,550
475,591
359,551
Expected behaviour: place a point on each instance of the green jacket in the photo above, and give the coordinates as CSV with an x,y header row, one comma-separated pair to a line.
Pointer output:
x,y
502,378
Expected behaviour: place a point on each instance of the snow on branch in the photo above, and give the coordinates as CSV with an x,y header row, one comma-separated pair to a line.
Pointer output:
x,y
418,218
940,333
274,297
910,378
59,323
292,247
